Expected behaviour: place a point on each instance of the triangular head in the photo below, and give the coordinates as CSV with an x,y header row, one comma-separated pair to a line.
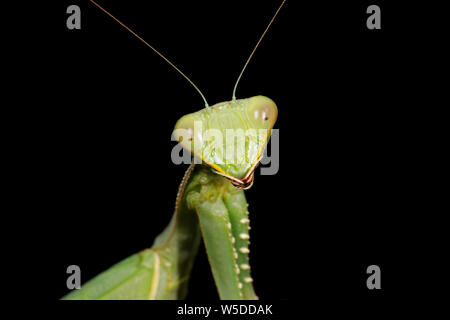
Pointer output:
x,y
230,137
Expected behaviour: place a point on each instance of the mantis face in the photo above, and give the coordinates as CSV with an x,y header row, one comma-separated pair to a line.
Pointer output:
x,y
230,137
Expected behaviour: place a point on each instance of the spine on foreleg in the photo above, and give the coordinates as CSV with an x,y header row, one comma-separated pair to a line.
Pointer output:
x,y
240,226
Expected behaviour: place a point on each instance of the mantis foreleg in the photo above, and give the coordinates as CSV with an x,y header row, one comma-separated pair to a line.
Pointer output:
x,y
223,217
161,272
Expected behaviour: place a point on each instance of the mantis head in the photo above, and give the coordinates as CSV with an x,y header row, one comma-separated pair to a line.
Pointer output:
x,y
230,137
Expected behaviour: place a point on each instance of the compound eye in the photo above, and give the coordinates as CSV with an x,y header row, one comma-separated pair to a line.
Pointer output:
x,y
186,131
262,111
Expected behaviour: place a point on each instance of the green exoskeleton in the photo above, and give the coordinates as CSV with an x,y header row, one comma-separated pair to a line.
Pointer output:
x,y
210,205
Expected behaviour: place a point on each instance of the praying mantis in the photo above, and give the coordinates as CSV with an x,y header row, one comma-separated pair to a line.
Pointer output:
x,y
210,204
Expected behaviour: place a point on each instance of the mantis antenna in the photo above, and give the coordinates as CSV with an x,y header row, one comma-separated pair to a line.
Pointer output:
x,y
254,49
156,51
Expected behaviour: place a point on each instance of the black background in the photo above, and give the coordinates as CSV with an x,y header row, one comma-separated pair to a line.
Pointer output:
x,y
342,198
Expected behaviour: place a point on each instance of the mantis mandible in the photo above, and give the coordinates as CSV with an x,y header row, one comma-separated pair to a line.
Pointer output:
x,y
210,204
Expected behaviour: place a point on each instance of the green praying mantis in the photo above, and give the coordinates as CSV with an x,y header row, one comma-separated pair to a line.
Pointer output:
x,y
210,204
